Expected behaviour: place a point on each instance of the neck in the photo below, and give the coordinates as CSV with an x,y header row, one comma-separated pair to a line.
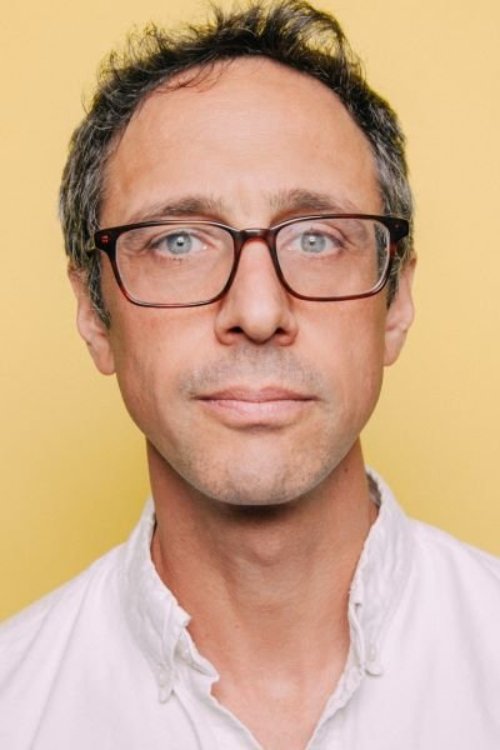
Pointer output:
x,y
262,571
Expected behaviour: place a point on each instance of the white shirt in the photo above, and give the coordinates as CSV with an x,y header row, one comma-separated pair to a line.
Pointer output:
x,y
106,661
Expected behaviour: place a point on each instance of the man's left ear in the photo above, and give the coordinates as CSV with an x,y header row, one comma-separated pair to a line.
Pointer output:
x,y
400,315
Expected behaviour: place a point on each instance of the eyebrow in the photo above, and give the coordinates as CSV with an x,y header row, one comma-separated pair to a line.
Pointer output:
x,y
297,199
284,203
189,205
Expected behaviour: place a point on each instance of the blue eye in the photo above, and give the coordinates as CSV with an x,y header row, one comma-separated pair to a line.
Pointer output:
x,y
313,242
179,243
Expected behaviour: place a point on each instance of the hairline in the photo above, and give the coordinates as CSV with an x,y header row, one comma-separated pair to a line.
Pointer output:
x,y
199,73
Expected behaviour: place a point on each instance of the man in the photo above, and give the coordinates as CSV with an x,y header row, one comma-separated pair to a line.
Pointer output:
x,y
238,221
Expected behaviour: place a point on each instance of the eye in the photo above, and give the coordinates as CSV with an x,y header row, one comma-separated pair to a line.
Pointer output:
x,y
177,243
313,242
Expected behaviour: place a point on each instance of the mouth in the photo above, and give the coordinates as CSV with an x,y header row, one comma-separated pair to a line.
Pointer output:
x,y
242,406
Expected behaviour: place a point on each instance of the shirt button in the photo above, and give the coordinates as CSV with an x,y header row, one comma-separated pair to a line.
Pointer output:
x,y
162,678
373,665
183,651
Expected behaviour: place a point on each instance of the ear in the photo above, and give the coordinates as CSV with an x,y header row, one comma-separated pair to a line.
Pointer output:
x,y
90,326
400,315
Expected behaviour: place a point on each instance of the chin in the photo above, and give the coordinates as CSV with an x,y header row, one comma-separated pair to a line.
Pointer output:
x,y
260,486
251,473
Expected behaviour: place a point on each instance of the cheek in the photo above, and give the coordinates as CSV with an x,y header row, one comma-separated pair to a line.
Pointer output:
x,y
349,344
349,353
153,350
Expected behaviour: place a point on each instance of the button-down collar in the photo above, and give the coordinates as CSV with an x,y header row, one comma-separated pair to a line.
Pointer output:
x,y
159,623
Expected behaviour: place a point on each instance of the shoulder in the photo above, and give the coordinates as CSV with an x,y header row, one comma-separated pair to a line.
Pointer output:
x,y
455,555
436,559
45,627
456,576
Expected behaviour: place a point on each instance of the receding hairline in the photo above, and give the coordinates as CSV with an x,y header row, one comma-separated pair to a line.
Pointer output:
x,y
203,77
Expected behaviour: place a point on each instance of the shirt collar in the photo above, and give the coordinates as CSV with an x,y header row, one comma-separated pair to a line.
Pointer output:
x,y
380,579
159,624
155,618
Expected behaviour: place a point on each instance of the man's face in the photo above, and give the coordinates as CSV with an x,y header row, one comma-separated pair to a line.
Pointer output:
x,y
259,397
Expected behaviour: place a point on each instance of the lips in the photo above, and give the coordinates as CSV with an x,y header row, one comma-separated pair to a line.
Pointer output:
x,y
245,406
256,395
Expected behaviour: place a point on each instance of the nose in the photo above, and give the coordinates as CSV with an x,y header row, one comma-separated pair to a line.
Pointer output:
x,y
256,307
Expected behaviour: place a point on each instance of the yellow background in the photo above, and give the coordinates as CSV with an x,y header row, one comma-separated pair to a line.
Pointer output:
x,y
73,473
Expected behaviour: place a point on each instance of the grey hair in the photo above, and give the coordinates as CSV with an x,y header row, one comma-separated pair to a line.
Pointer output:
x,y
291,32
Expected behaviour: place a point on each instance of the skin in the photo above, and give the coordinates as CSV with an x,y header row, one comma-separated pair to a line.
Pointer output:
x,y
252,406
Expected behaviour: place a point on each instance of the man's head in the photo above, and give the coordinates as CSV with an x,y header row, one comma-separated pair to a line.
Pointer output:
x,y
260,396
290,32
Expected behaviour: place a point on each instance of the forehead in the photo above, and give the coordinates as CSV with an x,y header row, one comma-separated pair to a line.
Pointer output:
x,y
240,133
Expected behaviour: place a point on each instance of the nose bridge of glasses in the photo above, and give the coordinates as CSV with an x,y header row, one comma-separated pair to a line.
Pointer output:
x,y
262,234
254,233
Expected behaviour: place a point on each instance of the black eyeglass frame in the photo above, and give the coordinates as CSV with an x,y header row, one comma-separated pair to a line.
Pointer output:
x,y
106,239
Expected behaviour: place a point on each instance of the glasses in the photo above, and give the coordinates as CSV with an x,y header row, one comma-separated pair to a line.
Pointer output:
x,y
323,258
